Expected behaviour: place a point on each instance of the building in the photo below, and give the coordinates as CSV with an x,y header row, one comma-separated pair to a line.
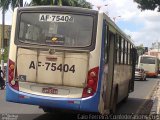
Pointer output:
x,y
154,52
6,35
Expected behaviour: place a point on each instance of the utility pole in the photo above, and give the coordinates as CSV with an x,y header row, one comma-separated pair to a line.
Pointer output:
x,y
100,6
158,49
21,3
2,40
158,45
114,18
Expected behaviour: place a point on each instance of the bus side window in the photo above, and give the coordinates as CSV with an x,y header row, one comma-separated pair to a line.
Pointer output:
x,y
131,57
120,50
106,44
112,37
128,53
29,32
32,32
117,49
124,51
35,33
118,42
22,26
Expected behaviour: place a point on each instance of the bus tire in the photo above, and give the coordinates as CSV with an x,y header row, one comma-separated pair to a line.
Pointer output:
x,y
144,78
155,76
52,110
126,98
114,104
48,110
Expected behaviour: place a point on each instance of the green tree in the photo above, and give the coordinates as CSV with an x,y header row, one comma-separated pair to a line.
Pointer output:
x,y
155,45
6,54
148,4
4,6
140,49
75,3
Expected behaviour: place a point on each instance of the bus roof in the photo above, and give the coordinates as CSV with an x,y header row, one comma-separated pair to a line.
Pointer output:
x,y
59,8
127,37
148,56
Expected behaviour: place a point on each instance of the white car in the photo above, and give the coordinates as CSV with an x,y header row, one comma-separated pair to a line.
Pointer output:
x,y
140,74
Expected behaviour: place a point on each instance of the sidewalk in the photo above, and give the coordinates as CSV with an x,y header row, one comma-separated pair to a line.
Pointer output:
x,y
156,100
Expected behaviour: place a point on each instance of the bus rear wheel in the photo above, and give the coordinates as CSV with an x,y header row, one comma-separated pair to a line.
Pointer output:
x,y
46,109
114,105
50,110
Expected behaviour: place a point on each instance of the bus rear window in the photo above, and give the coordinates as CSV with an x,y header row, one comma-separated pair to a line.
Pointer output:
x,y
147,60
67,30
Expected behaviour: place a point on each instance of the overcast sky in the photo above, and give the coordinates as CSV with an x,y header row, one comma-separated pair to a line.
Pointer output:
x,y
142,26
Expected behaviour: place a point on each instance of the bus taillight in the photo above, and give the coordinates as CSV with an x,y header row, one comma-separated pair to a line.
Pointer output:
x,y
12,82
92,81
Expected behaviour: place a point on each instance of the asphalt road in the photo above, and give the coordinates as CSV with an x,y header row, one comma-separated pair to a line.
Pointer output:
x,y
137,99
135,103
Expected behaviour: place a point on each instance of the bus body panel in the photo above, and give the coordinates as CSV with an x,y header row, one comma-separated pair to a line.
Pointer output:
x,y
30,90
122,76
151,70
87,104
11,94
150,67
35,72
13,47
99,51
63,91
94,61
38,66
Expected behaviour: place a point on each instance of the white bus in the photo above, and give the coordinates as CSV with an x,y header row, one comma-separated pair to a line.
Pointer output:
x,y
149,64
69,58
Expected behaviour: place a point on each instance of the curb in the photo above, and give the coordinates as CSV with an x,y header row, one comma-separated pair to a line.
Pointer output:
x,y
151,97
156,100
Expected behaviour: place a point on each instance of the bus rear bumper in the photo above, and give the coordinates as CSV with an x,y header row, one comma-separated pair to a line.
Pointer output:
x,y
151,74
89,104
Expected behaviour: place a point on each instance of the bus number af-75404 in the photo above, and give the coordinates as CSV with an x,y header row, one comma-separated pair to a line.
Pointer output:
x,y
53,66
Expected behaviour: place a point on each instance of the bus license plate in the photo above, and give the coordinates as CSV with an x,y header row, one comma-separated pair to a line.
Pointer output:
x,y
50,90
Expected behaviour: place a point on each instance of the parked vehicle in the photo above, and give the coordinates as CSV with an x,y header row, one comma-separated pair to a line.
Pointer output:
x,y
149,64
140,74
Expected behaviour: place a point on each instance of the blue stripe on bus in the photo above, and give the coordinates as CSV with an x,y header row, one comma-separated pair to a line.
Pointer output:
x,y
102,57
92,104
15,96
11,95
63,103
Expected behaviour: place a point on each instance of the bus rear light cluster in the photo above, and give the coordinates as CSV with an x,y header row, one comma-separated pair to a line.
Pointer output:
x,y
92,81
12,82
